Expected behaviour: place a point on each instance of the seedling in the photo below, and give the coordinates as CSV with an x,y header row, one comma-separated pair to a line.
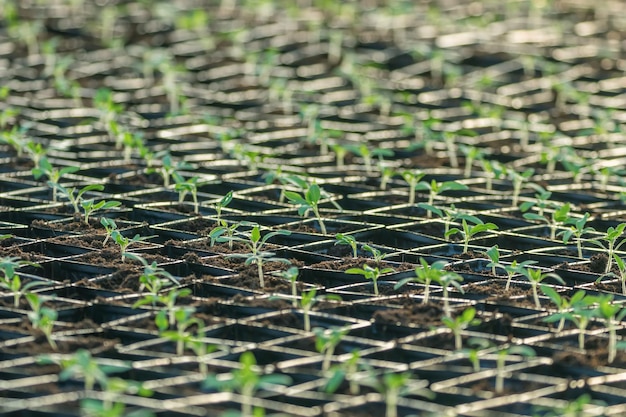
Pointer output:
x,y
12,282
19,289
109,226
255,243
494,255
621,266
493,170
372,273
42,318
342,239
535,277
425,275
468,232
108,406
368,155
309,201
246,380
377,254
224,201
291,274
541,202
123,242
435,188
581,315
82,365
611,238
412,177
395,385
611,313
187,186
308,299
224,230
577,229
168,167
562,303
183,322
558,216
472,153
448,215
53,174
515,268
90,207
518,180
501,362
459,323
326,340
345,371
76,198
476,344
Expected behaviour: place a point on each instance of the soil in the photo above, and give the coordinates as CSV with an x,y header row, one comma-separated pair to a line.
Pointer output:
x,y
417,315
596,355
347,263
268,78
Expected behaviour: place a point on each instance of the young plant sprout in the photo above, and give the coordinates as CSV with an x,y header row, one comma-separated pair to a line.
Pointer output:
x,y
76,198
255,244
41,317
53,174
187,186
184,321
309,201
246,380
109,226
344,371
472,153
522,350
493,170
224,230
541,202
326,340
459,323
562,303
341,239
20,289
581,314
82,364
377,254
535,276
518,180
168,167
90,207
123,242
613,243
340,152
395,385
425,275
476,344
468,232
224,201
621,266
448,215
308,299
412,177
386,174
372,273
611,313
435,188
291,274
558,216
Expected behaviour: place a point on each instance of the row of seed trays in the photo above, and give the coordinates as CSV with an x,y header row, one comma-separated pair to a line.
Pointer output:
x,y
312,209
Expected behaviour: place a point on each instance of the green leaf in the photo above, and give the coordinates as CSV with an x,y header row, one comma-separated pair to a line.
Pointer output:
x,y
313,194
